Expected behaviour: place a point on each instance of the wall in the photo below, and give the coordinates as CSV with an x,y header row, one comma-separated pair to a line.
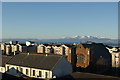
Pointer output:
x,y
84,51
13,71
62,68
115,59
42,73
2,69
41,48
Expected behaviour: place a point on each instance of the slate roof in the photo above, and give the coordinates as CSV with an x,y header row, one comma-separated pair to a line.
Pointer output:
x,y
5,59
22,44
69,45
39,61
87,45
58,45
47,44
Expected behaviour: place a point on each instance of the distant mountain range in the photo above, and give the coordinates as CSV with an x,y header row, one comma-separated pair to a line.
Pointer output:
x,y
73,39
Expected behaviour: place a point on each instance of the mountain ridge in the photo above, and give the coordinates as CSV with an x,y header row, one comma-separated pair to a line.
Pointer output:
x,y
70,39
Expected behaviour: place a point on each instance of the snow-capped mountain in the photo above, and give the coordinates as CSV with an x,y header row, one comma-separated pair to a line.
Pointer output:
x,y
82,39
73,39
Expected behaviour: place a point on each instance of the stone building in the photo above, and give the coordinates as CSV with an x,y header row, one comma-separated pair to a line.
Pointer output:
x,y
93,56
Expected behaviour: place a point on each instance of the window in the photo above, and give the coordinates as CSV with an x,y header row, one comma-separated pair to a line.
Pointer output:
x,y
17,70
117,62
40,73
46,74
33,72
7,68
80,57
21,69
27,71
116,56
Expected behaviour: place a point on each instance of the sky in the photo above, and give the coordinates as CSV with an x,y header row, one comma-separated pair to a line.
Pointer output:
x,y
49,20
0,20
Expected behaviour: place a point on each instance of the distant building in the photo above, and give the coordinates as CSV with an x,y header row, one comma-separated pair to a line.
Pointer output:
x,y
115,52
8,49
3,48
42,66
41,48
57,49
28,43
13,42
49,49
93,56
32,49
22,48
15,48
83,56
67,50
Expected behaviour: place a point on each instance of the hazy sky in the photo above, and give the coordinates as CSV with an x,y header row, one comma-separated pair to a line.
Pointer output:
x,y
59,19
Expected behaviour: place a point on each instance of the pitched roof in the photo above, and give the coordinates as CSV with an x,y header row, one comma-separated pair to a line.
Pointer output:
x,y
22,44
58,45
5,59
47,44
39,61
87,45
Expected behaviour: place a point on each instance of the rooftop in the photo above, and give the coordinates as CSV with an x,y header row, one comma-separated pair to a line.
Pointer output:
x,y
39,61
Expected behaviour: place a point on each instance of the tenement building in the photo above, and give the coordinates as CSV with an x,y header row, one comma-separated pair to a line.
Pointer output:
x,y
93,56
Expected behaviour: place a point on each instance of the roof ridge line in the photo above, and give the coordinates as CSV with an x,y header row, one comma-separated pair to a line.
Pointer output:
x,y
9,59
57,62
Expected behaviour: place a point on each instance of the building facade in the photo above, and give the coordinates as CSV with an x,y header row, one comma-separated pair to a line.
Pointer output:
x,y
38,66
93,56
115,52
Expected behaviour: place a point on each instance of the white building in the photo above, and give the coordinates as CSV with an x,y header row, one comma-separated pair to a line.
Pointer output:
x,y
38,66
41,48
57,49
115,52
